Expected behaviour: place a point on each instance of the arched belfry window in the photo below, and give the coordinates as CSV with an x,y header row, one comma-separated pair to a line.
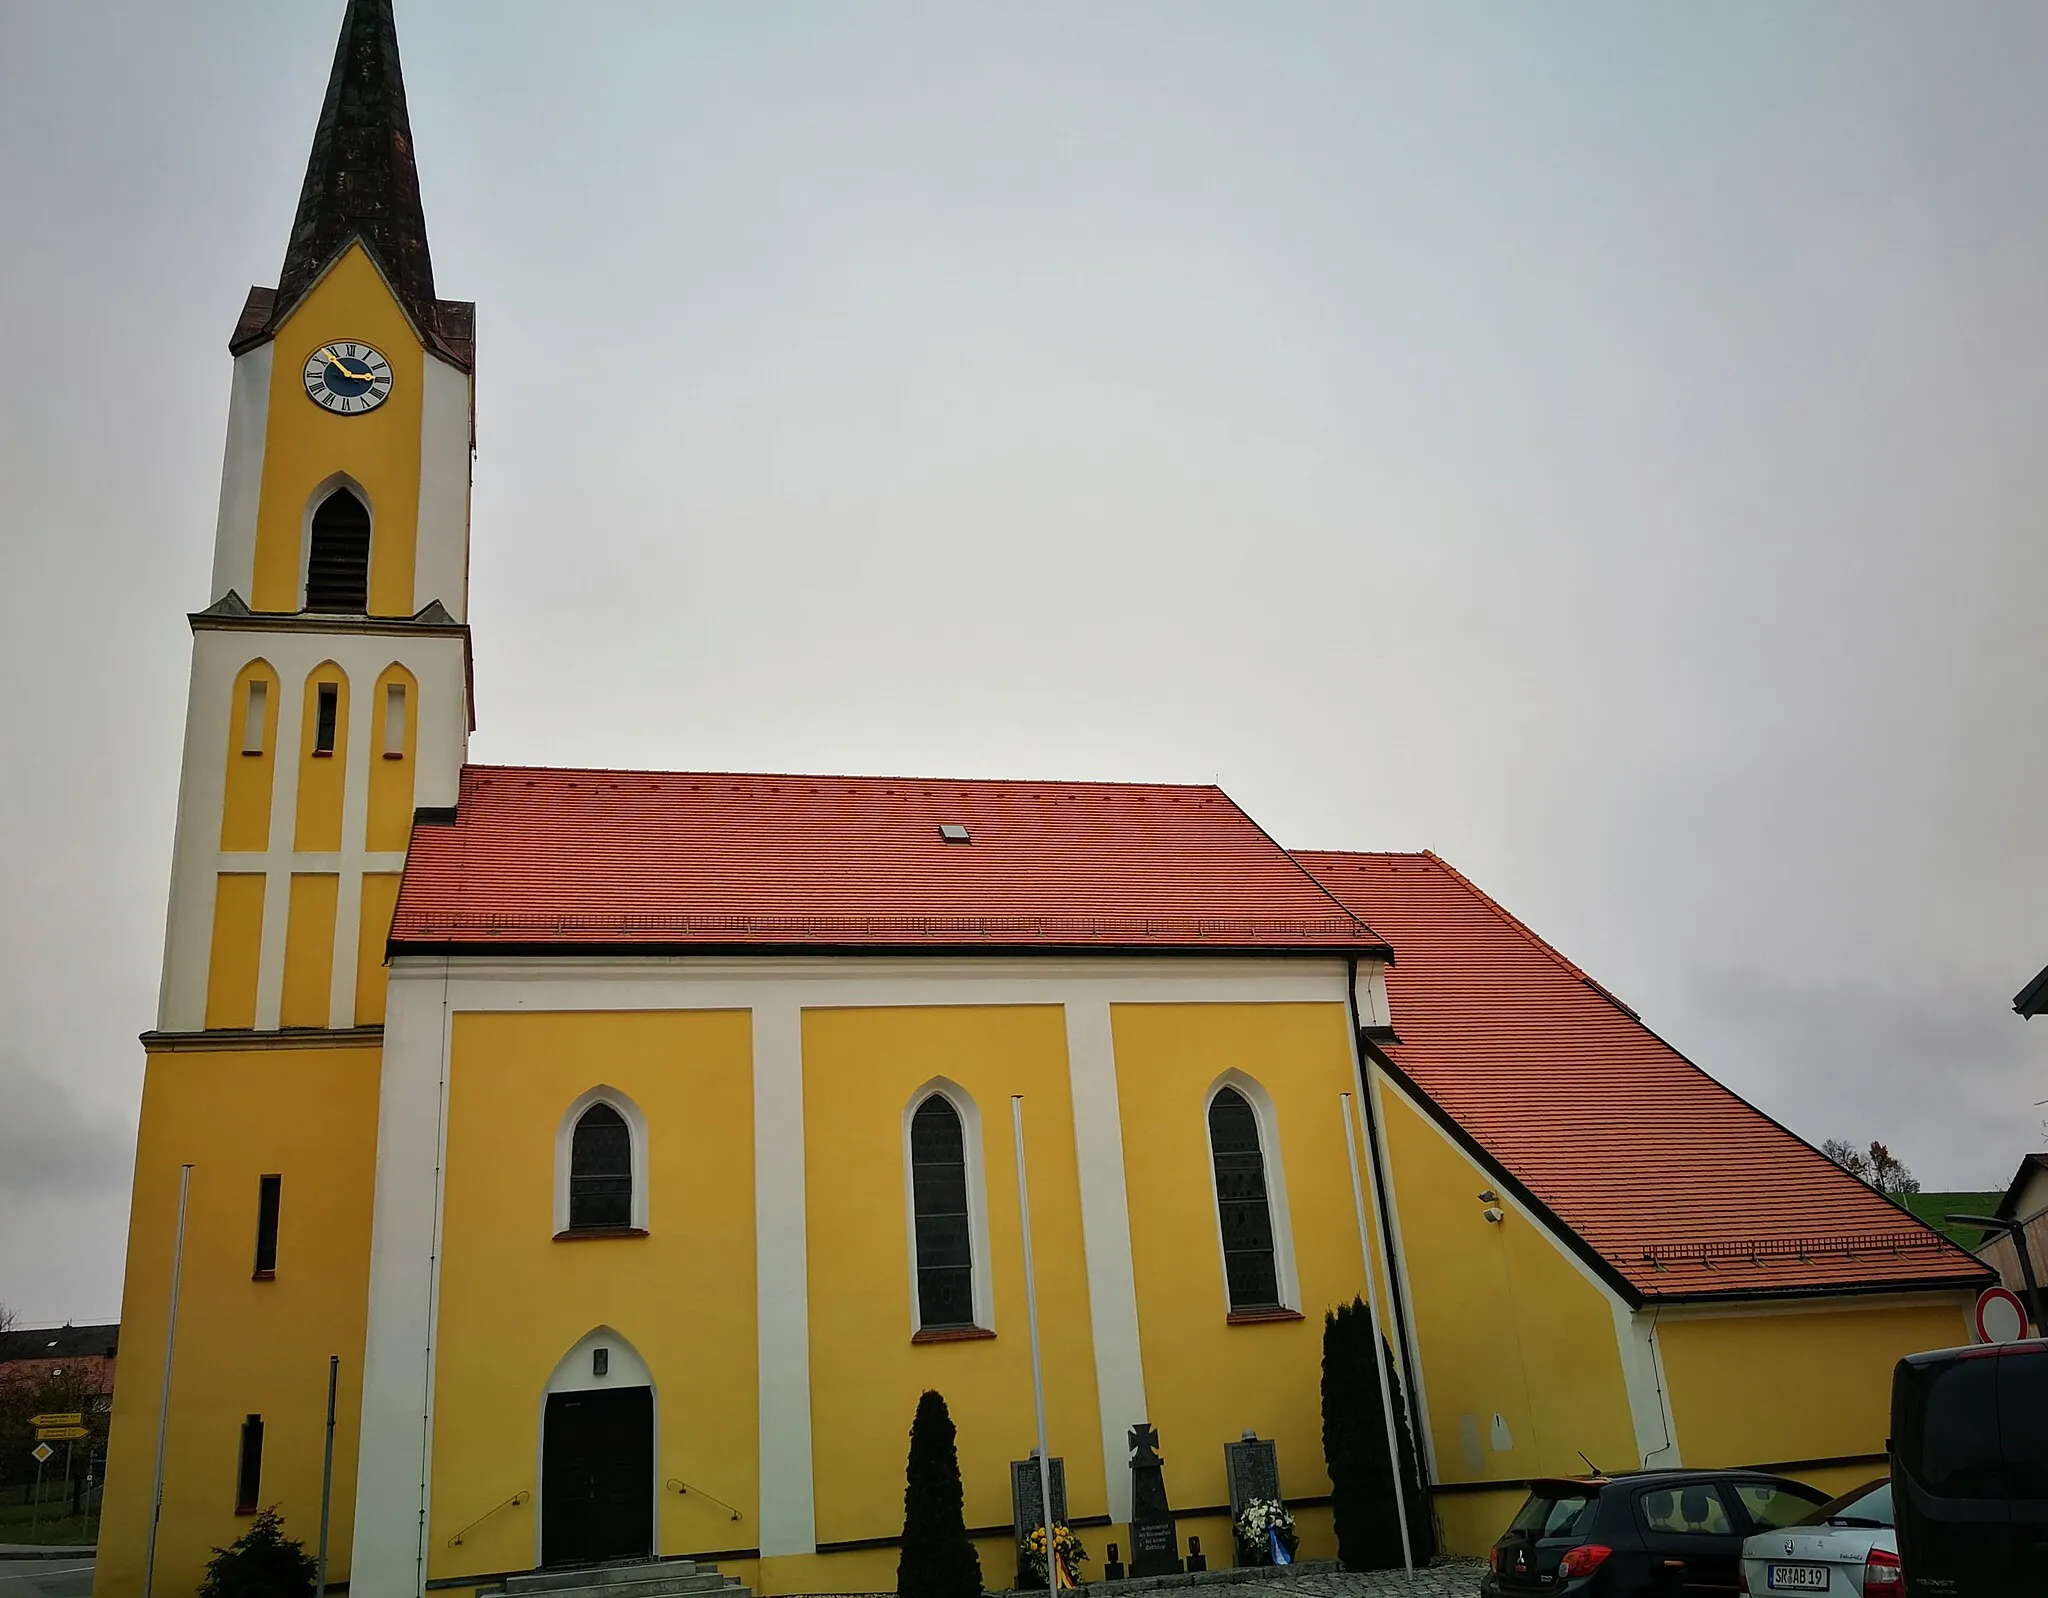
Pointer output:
x,y
950,1293
601,1166
338,555
1250,1206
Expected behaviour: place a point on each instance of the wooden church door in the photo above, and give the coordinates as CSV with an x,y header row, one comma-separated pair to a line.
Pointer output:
x,y
597,1476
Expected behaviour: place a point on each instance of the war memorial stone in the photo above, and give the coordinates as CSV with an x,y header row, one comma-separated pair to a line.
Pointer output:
x,y
1252,1467
1027,1507
1154,1550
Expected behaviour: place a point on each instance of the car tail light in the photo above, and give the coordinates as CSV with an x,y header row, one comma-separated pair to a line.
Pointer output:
x,y
1583,1560
1882,1573
1493,1559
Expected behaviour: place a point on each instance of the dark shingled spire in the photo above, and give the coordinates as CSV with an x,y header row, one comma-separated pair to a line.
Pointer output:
x,y
362,183
361,179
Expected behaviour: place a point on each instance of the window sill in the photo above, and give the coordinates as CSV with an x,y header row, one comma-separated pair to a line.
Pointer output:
x,y
241,1511
394,754
263,1276
323,754
952,1334
584,1234
253,754
1253,1317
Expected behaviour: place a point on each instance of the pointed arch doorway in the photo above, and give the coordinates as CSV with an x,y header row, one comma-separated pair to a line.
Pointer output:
x,y
597,1477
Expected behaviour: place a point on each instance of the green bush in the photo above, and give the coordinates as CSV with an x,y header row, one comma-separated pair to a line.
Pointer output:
x,y
937,1560
1355,1449
261,1563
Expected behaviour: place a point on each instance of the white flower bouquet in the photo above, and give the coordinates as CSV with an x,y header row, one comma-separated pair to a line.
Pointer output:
x,y
1265,1530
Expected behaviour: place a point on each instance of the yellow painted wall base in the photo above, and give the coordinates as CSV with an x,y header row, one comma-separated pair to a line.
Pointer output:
x,y
244,1346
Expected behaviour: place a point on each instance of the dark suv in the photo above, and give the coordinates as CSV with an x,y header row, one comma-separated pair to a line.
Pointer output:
x,y
1657,1533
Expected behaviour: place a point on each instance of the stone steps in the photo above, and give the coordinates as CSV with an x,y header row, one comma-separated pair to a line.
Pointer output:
x,y
638,1578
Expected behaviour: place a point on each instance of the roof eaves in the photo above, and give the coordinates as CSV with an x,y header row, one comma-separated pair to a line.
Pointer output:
x,y
2009,1205
2032,1000
421,321
1960,1281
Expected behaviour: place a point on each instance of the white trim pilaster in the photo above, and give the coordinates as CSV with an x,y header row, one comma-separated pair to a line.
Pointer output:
x,y
395,1452
1106,1240
789,1519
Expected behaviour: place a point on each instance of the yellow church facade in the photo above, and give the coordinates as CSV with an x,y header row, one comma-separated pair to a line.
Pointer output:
x,y
641,1145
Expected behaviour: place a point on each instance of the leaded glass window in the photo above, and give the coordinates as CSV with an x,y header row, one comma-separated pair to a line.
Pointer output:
x,y
600,1171
938,1184
1241,1204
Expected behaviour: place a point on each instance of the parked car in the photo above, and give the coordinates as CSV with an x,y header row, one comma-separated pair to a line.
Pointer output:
x,y
1970,1470
1646,1534
1845,1546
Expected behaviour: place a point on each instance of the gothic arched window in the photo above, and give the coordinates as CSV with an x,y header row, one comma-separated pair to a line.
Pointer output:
x,y
600,1171
1243,1209
338,555
945,1230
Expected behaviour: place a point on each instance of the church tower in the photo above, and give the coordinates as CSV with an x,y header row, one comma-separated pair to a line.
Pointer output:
x,y
329,700
329,666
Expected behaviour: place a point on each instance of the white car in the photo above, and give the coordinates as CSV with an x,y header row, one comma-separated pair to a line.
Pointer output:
x,y
1844,1547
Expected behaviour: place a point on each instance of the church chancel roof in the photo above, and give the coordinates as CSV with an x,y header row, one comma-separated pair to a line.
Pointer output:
x,y
560,859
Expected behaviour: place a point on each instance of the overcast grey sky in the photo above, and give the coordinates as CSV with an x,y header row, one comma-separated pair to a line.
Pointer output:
x,y
1598,442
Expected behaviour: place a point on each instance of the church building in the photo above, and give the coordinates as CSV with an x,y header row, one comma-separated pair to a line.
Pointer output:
x,y
642,1144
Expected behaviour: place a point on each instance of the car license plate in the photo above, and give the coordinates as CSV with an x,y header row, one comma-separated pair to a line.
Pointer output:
x,y
1797,1578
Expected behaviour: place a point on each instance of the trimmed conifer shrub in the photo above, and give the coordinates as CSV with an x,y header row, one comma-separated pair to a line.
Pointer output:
x,y
261,1563
1362,1504
937,1560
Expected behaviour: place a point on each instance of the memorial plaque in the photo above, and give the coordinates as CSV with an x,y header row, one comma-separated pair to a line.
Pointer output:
x,y
1154,1549
1026,1506
1252,1467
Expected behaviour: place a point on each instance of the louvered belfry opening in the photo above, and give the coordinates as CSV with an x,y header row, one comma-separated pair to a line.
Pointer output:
x,y
338,563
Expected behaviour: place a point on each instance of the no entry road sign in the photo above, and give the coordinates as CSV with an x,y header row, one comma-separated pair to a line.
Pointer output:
x,y
1999,1316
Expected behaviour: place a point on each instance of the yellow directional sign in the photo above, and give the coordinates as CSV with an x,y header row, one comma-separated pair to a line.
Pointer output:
x,y
59,1434
73,1419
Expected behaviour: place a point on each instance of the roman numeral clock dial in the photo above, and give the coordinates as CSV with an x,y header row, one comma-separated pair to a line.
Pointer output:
x,y
347,377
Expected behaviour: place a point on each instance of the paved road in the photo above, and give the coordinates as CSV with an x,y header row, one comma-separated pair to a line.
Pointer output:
x,y
45,1578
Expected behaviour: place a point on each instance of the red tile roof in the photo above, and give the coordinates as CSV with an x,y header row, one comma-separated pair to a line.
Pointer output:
x,y
1678,1185
545,858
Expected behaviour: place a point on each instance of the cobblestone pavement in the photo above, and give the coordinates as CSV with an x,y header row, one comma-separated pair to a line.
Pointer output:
x,y
1455,1578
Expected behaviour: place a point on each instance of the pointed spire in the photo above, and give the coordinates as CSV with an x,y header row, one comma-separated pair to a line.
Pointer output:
x,y
361,180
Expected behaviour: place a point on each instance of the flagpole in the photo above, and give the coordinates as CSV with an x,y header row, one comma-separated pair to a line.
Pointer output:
x,y
1052,1558
327,1475
1372,1311
163,1405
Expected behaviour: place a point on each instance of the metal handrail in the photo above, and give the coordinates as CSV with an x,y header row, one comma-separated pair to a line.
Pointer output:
x,y
684,1487
517,1498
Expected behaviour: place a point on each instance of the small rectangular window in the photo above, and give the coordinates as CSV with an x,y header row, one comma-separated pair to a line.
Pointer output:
x,y
249,1473
394,720
323,728
268,1192
252,718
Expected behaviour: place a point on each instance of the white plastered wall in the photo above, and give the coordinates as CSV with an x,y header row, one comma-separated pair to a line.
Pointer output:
x,y
241,474
211,718
441,565
406,1244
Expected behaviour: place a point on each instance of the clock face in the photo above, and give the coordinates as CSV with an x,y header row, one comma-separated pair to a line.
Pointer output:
x,y
347,377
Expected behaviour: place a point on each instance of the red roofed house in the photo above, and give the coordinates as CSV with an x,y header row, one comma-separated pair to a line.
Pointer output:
x,y
641,1144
